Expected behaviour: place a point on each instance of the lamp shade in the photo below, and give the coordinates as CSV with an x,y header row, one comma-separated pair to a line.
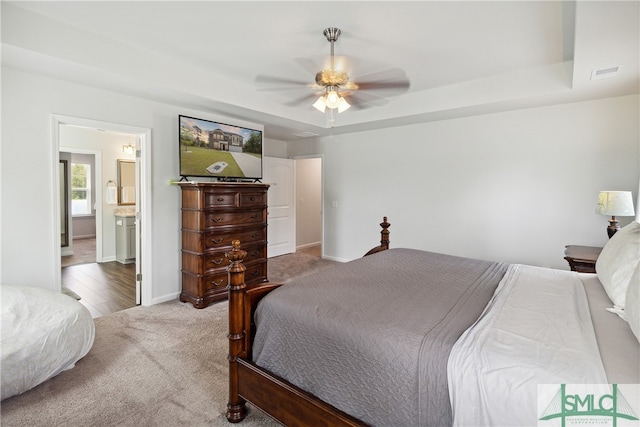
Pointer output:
x,y
615,203
343,105
320,105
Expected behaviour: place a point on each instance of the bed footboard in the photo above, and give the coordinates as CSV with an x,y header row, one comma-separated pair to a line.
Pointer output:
x,y
247,381
243,301
384,238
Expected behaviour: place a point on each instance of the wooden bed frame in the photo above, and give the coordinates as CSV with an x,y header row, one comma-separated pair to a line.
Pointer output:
x,y
248,382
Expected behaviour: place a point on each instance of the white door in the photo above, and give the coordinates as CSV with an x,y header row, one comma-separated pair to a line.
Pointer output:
x,y
281,231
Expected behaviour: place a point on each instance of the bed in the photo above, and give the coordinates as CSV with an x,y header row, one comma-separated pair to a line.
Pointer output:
x,y
409,337
43,334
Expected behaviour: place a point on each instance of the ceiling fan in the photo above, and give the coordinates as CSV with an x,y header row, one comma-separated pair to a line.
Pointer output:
x,y
333,86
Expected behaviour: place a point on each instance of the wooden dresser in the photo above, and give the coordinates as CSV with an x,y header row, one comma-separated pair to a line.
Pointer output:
x,y
213,215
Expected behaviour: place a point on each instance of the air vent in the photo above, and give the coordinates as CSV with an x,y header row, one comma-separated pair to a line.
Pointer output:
x,y
605,72
305,134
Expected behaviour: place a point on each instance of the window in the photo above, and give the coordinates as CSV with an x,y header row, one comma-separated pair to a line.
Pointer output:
x,y
80,189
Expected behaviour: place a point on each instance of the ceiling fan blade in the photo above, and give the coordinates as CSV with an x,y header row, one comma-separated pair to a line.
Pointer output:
x,y
279,80
389,74
383,85
308,65
361,100
307,99
284,88
393,79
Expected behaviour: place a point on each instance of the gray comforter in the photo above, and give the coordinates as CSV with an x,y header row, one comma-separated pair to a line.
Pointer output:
x,y
372,336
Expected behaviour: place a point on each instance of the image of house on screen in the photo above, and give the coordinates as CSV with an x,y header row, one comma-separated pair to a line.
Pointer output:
x,y
225,141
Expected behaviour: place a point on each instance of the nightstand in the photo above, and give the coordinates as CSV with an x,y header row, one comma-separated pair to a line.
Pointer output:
x,y
582,258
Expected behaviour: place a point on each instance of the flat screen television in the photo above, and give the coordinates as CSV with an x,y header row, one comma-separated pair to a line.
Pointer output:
x,y
219,150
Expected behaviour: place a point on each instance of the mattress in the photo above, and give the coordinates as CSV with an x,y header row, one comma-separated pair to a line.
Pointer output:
x,y
619,348
43,334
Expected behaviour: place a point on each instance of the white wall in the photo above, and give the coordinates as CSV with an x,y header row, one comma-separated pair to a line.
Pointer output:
x,y
28,101
308,202
515,186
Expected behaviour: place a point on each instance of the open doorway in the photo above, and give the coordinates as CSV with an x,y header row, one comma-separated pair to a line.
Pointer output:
x,y
309,214
78,200
111,144
100,282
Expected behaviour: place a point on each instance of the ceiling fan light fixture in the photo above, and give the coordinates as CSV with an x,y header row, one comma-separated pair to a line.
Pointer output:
x,y
333,99
343,105
320,104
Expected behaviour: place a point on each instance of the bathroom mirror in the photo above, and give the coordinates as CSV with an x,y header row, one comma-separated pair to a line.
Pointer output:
x,y
126,182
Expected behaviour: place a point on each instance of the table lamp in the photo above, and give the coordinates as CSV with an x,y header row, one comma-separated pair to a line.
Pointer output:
x,y
614,203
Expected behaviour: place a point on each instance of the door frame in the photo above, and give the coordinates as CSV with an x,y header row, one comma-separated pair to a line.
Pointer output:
x,y
144,288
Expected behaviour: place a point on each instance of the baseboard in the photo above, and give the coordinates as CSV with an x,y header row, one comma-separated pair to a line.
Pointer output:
x,y
66,251
308,245
165,298
86,236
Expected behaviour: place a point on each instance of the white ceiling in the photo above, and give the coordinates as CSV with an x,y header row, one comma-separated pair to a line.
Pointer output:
x,y
462,58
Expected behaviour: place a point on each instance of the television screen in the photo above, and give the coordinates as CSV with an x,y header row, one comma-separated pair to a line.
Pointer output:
x,y
214,149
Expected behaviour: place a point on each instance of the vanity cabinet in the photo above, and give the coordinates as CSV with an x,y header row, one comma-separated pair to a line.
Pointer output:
x,y
125,239
213,216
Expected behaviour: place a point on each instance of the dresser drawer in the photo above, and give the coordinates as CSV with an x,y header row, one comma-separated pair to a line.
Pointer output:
x,y
220,199
194,241
256,272
209,262
203,220
224,240
202,290
253,199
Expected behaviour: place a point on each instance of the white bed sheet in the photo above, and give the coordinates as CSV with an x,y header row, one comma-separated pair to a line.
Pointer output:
x,y
537,329
43,334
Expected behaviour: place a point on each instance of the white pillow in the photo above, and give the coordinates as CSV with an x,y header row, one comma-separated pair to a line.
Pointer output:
x,y
632,308
617,262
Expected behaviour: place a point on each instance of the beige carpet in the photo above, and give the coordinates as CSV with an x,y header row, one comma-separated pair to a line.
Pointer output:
x,y
282,269
163,365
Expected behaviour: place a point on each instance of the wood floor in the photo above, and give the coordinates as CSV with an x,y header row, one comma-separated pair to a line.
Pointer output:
x,y
103,288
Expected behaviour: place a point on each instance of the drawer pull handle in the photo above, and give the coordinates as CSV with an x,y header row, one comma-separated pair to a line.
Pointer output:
x,y
220,240
254,216
253,198
254,235
254,273
221,199
255,253
214,283
219,219
217,262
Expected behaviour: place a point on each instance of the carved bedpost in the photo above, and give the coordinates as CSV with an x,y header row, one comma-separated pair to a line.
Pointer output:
x,y
384,238
236,407
384,233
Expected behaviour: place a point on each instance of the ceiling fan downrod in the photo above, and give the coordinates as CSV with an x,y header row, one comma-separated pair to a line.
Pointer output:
x,y
332,34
